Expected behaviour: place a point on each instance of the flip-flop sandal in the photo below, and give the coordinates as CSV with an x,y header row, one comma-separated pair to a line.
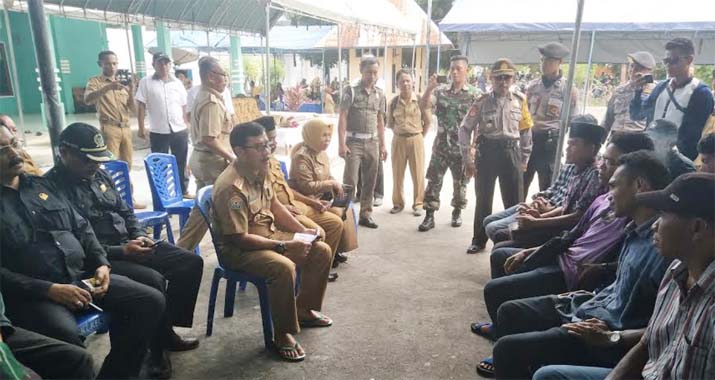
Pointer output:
x,y
485,368
284,352
478,329
322,321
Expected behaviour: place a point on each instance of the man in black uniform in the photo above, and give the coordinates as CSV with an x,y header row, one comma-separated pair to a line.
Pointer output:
x,y
46,250
131,252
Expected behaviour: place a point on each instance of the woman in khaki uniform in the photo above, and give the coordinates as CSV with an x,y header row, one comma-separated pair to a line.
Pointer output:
x,y
310,175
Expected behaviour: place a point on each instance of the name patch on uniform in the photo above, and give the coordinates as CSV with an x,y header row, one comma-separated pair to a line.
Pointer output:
x,y
43,196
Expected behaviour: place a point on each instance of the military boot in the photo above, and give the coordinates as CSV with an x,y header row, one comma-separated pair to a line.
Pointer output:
x,y
428,223
456,217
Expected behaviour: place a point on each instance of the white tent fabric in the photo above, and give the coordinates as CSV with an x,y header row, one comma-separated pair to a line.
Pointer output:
x,y
490,30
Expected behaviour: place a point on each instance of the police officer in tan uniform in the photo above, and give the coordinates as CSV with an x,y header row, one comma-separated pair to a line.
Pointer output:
x,y
546,99
246,213
210,128
498,128
618,118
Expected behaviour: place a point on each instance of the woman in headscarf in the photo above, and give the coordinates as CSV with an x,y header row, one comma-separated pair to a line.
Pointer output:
x,y
310,175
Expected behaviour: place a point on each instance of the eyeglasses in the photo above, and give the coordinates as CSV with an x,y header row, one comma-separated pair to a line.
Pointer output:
x,y
503,77
260,147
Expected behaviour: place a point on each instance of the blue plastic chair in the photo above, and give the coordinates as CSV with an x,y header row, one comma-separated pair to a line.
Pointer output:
x,y
284,169
163,174
119,171
92,322
232,278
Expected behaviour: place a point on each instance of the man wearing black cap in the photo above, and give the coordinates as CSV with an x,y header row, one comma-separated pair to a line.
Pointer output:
x,y
501,124
163,98
533,227
130,251
210,127
682,99
47,249
546,97
618,119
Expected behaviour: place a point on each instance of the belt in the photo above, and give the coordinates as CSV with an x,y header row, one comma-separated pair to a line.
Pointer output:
x,y
408,134
361,136
114,123
498,142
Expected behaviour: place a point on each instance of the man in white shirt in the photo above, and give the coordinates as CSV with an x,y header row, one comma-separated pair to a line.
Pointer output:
x,y
163,97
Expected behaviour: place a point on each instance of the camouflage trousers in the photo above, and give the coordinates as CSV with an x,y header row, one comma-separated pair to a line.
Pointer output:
x,y
438,165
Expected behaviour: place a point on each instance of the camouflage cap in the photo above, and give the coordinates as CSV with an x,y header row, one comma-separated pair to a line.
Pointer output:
x,y
503,66
554,50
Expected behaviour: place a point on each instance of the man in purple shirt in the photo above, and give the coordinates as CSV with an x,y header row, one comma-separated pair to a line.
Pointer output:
x,y
556,266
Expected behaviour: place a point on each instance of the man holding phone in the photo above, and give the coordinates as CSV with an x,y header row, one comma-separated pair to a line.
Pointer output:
x,y
618,118
131,252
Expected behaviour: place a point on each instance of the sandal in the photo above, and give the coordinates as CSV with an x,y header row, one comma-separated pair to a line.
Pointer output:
x,y
478,329
321,321
485,368
285,352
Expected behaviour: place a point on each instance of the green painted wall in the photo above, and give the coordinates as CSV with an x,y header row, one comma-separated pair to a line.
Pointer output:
x,y
26,64
77,43
8,104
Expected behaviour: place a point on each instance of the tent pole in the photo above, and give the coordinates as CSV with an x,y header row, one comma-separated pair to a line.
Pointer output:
x,y
425,77
384,56
566,109
48,81
208,42
268,62
587,88
129,47
340,65
414,51
15,78
439,50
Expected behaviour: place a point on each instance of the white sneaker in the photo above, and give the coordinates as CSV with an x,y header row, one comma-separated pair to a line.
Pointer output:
x,y
377,202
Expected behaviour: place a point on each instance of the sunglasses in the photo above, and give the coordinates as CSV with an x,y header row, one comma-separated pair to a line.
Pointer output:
x,y
672,60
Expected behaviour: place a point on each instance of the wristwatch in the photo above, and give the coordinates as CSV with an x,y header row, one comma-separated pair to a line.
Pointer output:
x,y
280,248
615,337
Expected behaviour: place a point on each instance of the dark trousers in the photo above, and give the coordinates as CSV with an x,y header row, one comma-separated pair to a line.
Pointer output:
x,y
531,336
379,183
48,357
531,238
135,311
542,158
182,269
178,142
496,159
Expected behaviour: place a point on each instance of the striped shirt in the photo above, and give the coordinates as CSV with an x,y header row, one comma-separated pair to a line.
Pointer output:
x,y
681,334
557,191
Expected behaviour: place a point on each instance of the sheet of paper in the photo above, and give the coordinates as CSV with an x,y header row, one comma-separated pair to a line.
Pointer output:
x,y
308,238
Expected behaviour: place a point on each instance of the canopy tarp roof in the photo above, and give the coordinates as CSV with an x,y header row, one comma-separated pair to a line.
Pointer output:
x,y
490,30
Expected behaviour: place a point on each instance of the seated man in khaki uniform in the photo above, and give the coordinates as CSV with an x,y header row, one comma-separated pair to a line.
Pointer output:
x,y
246,212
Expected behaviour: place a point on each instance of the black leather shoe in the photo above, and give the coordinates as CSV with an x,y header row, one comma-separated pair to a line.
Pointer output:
x,y
428,223
340,257
367,222
475,248
336,263
159,366
332,277
456,217
178,344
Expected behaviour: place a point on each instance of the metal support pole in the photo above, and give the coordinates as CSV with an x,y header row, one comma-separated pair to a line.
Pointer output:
x,y
268,62
425,77
340,64
566,109
414,51
384,69
439,50
46,67
15,79
208,43
129,47
587,87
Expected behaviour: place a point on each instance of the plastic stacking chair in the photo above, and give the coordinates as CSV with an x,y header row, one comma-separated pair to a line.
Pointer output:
x,y
284,169
92,322
163,174
119,171
232,277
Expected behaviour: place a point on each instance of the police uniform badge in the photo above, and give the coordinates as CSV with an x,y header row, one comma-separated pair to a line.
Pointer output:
x,y
103,188
235,204
43,196
98,140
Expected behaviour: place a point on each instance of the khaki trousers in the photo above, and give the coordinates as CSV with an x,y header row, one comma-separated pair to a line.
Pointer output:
x,y
408,150
206,167
330,223
119,142
279,272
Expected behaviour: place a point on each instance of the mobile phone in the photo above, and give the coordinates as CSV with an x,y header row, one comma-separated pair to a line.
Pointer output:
x,y
441,79
157,242
647,78
88,284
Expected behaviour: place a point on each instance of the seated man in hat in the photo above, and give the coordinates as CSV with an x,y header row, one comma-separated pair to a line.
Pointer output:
x,y
584,141
131,252
53,267
545,330
246,213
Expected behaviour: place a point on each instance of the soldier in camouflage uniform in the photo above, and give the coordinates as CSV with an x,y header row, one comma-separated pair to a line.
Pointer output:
x,y
451,104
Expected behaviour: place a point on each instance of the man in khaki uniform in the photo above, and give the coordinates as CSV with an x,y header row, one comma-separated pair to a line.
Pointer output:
x,y
246,212
113,101
310,212
501,139
210,127
546,97
361,134
409,124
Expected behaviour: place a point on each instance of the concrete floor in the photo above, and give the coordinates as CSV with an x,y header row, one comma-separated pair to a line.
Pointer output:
x,y
402,305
